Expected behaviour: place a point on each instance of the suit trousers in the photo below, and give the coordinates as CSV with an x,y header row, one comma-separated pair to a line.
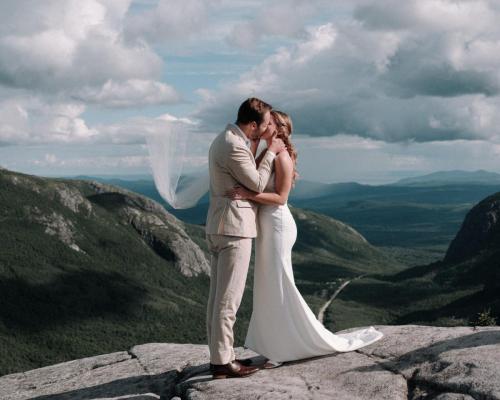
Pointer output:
x,y
230,259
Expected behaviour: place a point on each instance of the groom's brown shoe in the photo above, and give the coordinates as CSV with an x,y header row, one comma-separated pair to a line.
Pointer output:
x,y
232,369
252,361
245,361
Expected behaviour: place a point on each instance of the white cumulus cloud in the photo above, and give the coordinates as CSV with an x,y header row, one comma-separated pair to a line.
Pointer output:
x,y
129,93
53,48
417,71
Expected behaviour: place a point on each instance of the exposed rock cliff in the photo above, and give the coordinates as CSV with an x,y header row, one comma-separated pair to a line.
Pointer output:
x,y
410,362
161,231
480,231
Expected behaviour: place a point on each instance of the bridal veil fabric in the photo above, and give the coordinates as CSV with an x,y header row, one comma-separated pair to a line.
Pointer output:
x,y
169,151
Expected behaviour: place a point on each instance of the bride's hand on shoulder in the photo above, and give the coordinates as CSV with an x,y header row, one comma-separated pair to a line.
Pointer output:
x,y
238,193
277,145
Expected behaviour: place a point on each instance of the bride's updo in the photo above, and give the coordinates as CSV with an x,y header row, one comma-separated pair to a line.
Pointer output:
x,y
284,131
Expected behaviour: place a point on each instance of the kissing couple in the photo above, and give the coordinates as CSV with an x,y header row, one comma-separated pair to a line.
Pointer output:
x,y
248,199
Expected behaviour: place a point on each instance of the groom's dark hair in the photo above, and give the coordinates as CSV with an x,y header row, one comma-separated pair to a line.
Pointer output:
x,y
252,109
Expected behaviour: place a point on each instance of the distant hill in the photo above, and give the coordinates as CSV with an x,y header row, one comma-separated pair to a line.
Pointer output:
x,y
448,292
325,244
88,268
402,216
305,189
121,177
452,177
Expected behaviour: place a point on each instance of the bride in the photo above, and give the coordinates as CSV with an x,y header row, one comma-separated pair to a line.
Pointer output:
x,y
282,326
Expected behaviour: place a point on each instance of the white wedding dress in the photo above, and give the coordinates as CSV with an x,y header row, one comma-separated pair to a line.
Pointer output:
x,y
282,326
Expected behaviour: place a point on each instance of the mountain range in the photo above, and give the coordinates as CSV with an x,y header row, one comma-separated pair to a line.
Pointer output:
x,y
423,216
452,177
87,268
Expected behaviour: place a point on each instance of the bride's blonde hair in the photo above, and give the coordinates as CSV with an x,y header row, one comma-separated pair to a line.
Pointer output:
x,y
285,128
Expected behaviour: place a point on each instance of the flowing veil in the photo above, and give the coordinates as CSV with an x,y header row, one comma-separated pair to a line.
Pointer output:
x,y
170,151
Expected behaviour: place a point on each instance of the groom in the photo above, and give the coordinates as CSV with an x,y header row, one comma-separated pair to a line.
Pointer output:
x,y
231,225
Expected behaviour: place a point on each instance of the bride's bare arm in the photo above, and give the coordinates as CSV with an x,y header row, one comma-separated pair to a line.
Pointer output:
x,y
283,184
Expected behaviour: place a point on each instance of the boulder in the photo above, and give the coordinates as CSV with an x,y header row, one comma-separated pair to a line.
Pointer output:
x,y
409,362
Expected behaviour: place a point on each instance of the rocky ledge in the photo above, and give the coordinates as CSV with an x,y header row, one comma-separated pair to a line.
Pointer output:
x,y
410,362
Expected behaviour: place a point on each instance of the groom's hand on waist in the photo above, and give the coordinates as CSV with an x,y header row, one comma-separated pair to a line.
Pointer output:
x,y
239,193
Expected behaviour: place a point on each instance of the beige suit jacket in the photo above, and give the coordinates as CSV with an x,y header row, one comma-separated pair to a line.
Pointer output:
x,y
231,162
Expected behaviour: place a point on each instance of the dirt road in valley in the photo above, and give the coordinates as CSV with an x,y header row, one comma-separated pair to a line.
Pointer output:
x,y
321,313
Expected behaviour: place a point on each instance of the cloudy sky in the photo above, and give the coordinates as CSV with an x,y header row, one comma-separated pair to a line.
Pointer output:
x,y
377,90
